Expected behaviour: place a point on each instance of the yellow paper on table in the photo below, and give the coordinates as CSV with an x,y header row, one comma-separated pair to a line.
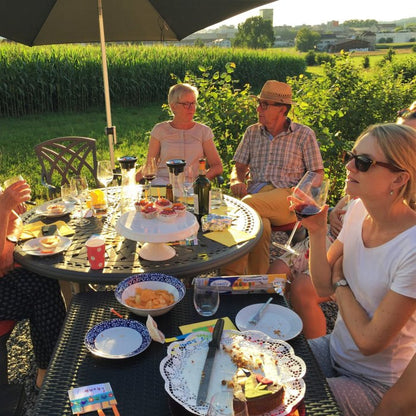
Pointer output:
x,y
224,210
206,326
229,237
34,229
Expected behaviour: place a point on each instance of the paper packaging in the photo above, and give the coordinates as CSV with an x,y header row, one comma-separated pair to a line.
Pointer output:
x,y
96,252
244,284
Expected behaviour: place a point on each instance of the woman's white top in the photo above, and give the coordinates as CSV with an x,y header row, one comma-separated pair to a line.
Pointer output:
x,y
371,273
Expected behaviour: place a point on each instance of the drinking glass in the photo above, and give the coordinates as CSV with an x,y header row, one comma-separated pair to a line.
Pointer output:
x,y
224,404
308,198
149,172
206,299
79,190
12,180
188,183
105,173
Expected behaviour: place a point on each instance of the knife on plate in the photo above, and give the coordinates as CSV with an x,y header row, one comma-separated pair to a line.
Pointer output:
x,y
209,362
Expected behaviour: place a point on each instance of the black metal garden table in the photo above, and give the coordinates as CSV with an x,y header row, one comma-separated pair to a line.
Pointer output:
x,y
122,259
136,381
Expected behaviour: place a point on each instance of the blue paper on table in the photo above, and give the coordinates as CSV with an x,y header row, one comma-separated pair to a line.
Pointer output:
x,y
90,398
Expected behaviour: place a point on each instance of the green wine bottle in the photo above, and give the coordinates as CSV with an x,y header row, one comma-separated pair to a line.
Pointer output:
x,y
202,192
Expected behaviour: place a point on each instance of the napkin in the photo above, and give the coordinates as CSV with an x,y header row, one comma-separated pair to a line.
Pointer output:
x,y
34,229
229,237
224,210
206,326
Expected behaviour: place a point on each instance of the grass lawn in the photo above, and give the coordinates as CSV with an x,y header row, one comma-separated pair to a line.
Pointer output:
x,y
18,136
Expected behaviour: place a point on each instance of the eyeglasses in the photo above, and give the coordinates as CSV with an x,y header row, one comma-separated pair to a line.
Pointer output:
x,y
363,163
188,106
264,105
406,113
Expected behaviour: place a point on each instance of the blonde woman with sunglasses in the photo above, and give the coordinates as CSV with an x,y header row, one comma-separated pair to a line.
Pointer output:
x,y
371,267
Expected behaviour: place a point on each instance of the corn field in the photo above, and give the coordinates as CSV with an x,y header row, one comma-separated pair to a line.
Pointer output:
x,y
69,77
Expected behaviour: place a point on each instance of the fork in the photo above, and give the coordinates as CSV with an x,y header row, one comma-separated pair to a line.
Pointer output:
x,y
255,318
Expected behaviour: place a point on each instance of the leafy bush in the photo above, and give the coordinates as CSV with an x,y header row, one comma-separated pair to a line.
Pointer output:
x,y
366,62
310,58
342,102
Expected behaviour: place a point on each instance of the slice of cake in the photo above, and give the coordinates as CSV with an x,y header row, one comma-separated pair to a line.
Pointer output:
x,y
261,394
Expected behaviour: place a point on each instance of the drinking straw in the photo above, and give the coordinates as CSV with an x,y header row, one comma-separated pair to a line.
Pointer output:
x,y
116,313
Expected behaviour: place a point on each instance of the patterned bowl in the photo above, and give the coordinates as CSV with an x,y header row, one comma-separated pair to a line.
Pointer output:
x,y
154,281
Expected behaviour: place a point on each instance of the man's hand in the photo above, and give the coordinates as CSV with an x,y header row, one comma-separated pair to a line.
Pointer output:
x,y
238,189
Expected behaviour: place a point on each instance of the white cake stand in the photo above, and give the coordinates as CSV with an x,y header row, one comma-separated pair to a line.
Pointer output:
x,y
155,233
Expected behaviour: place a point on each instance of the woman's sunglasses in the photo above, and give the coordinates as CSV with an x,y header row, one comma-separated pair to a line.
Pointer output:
x,y
363,163
406,113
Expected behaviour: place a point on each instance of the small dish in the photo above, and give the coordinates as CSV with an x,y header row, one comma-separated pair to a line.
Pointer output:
x,y
34,247
276,321
51,209
118,338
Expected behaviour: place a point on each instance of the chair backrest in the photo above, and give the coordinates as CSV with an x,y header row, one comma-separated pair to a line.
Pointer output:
x,y
63,157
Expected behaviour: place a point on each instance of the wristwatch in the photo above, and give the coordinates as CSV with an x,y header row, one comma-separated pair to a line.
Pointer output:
x,y
341,282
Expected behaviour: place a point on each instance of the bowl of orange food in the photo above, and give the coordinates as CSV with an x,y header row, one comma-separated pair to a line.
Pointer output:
x,y
151,294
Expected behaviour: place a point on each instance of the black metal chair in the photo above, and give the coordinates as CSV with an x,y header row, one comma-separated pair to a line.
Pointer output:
x,y
63,157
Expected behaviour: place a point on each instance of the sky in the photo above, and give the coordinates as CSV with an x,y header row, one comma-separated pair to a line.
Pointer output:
x,y
311,12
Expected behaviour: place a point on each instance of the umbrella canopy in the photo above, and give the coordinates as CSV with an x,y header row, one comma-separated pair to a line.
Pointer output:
x,y
49,22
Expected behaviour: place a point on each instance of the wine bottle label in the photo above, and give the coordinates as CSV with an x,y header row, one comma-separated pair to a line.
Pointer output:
x,y
196,204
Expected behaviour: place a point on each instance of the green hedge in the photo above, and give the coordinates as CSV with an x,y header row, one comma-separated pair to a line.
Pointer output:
x,y
69,77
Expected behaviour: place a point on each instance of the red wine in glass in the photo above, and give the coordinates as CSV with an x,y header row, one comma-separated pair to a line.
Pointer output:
x,y
308,198
306,210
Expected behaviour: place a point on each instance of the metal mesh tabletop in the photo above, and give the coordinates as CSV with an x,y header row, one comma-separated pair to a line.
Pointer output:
x,y
136,381
122,259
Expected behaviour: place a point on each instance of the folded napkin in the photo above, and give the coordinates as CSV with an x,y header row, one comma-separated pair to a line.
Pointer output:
x,y
206,326
229,237
34,229
224,210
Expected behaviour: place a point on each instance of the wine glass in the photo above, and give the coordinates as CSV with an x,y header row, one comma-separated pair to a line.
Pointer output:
x,y
105,173
308,198
149,172
79,187
188,182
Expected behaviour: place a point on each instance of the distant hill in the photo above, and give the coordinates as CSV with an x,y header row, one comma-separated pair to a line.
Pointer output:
x,y
402,22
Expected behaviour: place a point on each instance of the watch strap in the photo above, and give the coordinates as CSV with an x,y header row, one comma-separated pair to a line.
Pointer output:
x,y
341,282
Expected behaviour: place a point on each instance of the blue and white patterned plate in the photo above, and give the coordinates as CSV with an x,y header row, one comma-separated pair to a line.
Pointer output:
x,y
118,338
154,281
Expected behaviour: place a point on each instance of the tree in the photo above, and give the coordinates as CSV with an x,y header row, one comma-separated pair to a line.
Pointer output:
x,y
306,39
255,33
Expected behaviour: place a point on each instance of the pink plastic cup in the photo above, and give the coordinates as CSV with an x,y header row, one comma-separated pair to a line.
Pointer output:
x,y
96,252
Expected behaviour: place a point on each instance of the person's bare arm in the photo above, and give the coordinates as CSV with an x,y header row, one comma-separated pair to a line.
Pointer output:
x,y
400,400
238,184
372,334
213,159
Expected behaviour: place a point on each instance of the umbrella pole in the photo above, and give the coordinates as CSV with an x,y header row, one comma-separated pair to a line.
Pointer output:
x,y
110,129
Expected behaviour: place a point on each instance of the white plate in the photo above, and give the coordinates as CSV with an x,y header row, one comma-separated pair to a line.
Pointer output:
x,y
276,321
43,209
34,248
182,367
118,338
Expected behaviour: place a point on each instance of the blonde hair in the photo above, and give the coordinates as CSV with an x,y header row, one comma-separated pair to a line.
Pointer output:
x,y
398,143
176,92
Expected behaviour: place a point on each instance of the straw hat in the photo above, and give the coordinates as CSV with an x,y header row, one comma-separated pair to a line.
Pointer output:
x,y
276,91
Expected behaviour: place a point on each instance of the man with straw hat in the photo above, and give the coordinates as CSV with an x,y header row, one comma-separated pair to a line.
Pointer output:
x,y
274,153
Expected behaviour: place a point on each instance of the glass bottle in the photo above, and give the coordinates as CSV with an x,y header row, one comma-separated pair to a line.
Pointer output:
x,y
202,191
169,192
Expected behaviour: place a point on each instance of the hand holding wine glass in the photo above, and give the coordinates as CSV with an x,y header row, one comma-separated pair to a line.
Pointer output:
x,y
308,198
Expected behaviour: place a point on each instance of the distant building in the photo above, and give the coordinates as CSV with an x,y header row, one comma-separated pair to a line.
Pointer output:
x,y
266,14
351,45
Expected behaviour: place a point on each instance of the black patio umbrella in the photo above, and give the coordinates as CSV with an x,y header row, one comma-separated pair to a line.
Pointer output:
x,y
47,22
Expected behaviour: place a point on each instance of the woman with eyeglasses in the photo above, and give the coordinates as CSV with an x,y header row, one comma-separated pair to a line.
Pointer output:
x,y
371,267
182,137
